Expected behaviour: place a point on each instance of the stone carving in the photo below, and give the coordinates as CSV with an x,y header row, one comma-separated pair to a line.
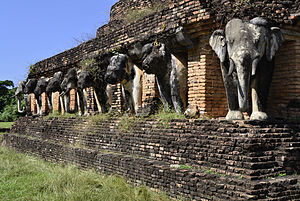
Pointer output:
x,y
54,86
18,94
122,70
86,80
38,91
246,51
171,75
69,82
29,89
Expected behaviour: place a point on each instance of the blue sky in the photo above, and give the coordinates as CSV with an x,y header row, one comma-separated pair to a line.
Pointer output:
x,y
32,30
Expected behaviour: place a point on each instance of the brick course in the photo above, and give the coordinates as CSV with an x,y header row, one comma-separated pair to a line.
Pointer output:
x,y
225,160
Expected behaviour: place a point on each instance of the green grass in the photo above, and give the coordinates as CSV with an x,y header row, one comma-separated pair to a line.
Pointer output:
x,y
6,124
23,177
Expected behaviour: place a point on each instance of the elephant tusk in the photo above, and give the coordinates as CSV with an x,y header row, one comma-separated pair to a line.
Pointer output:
x,y
231,68
254,66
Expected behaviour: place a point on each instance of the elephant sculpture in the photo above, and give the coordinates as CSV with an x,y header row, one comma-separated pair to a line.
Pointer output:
x,y
54,86
69,82
122,70
18,94
86,80
29,89
38,91
246,51
171,75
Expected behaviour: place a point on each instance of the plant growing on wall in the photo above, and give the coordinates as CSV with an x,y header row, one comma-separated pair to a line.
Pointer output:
x,y
136,14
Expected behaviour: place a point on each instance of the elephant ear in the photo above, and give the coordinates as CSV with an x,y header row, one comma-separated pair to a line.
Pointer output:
x,y
276,40
218,44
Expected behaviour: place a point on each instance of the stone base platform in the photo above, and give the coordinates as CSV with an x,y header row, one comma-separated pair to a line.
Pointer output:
x,y
196,159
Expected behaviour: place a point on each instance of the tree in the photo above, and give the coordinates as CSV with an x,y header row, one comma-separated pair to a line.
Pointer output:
x,y
8,106
5,92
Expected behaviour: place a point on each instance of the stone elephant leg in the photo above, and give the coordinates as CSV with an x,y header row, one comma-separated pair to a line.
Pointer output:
x,y
128,102
38,101
260,85
62,104
81,102
232,95
175,91
50,101
165,91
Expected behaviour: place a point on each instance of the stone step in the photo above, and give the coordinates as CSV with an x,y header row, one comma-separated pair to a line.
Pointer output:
x,y
184,180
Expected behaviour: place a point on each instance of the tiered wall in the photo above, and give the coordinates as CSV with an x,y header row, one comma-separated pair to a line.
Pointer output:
x,y
284,99
197,159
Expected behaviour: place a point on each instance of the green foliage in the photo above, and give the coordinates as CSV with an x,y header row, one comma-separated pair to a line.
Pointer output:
x,y
164,117
100,117
6,93
136,14
8,103
94,68
6,124
10,113
127,123
184,166
282,174
33,179
31,69
87,63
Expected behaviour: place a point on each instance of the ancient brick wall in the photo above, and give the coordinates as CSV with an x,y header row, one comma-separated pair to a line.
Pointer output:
x,y
159,25
206,89
198,159
284,98
205,84
122,7
150,90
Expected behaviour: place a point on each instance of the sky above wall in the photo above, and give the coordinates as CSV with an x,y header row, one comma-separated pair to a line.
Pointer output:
x,y
33,30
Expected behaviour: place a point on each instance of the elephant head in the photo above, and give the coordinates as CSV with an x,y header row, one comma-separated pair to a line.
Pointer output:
x,y
243,48
18,95
119,69
54,83
154,57
85,80
41,86
30,86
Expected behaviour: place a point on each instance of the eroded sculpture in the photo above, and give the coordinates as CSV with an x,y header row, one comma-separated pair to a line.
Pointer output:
x,y
18,94
246,51
29,89
171,75
38,91
69,82
86,80
122,70
54,85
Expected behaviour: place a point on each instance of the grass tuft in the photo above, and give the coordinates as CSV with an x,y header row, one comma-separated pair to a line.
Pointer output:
x,y
34,179
6,124
136,14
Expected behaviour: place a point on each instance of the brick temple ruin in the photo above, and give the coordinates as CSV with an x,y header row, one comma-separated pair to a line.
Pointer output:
x,y
239,160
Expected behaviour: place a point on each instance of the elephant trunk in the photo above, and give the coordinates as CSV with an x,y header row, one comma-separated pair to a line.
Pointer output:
x,y
244,70
19,105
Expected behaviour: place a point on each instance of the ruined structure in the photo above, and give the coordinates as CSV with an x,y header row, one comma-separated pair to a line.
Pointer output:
x,y
225,160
